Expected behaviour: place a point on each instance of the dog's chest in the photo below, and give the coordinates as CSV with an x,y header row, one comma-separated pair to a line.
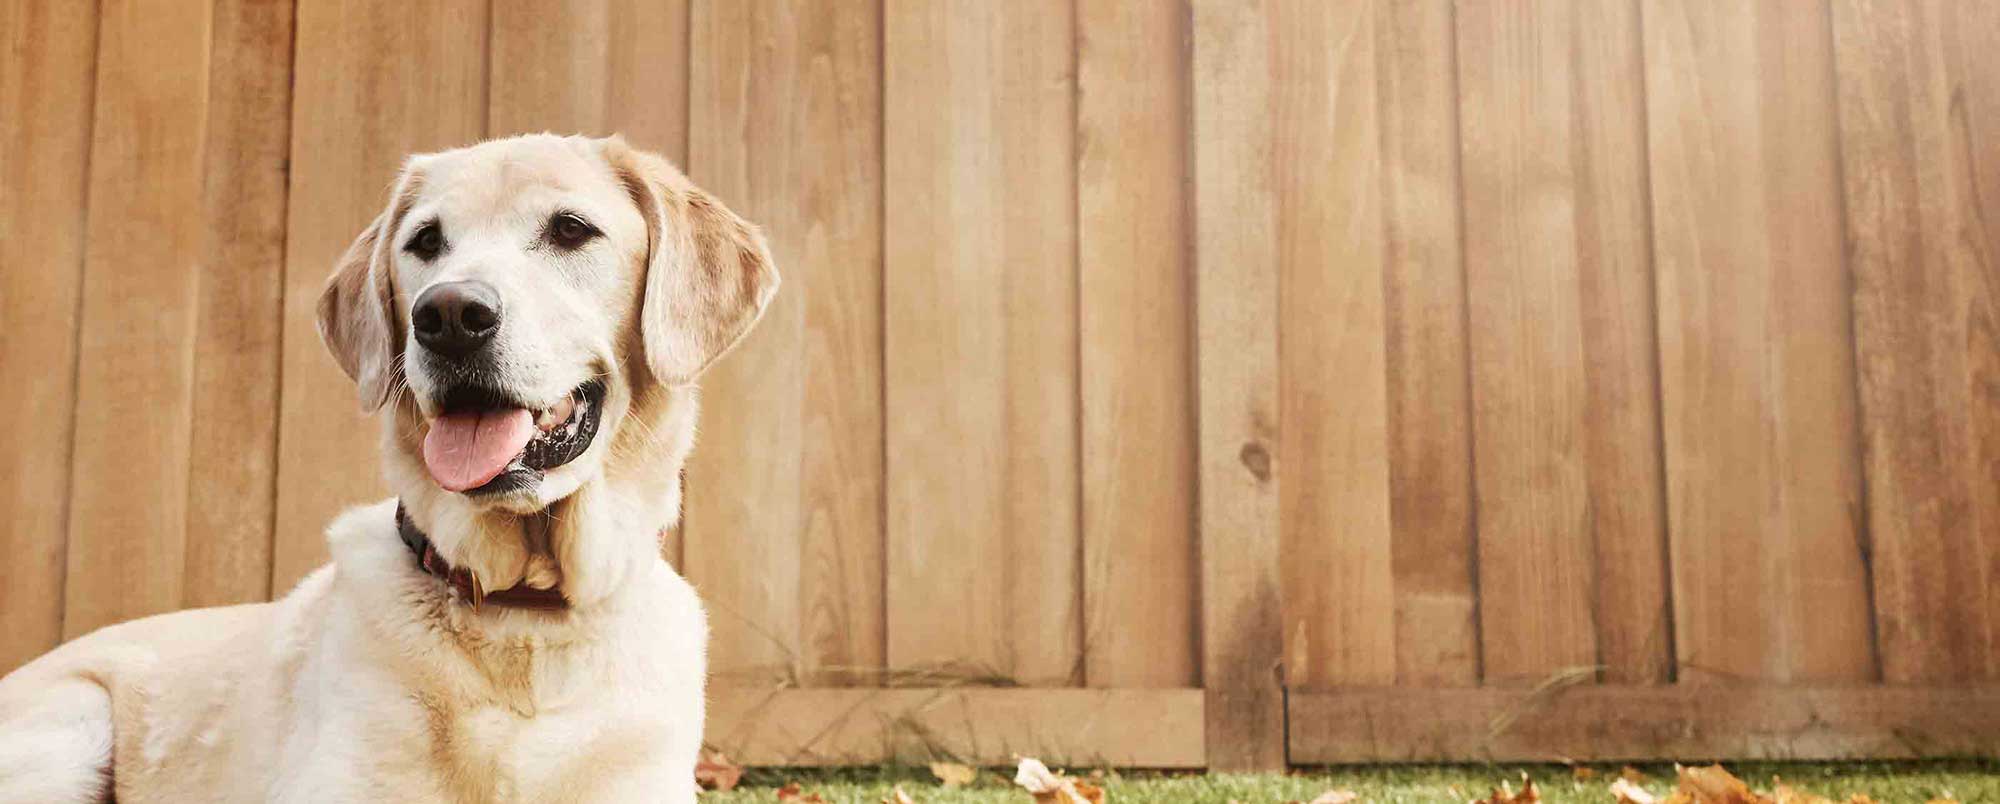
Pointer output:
x,y
493,753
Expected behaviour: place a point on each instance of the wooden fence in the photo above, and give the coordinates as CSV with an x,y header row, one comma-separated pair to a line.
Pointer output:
x,y
1154,383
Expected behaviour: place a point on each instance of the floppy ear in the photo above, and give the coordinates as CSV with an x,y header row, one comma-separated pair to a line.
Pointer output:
x,y
357,320
708,272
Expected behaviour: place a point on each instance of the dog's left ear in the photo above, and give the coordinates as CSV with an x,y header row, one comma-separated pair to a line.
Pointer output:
x,y
709,274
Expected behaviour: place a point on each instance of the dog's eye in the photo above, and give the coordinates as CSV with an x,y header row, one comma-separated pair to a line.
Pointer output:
x,y
427,242
569,230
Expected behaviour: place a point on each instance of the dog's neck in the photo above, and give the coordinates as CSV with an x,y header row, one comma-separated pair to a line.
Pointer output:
x,y
581,549
464,583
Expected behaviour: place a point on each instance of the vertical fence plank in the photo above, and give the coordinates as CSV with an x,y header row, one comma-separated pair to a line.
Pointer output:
x,y
784,533
1529,385
1917,112
1621,434
46,96
1325,151
980,332
1236,322
376,81
1136,346
233,446
1429,414
839,258
129,479
1566,445
1757,373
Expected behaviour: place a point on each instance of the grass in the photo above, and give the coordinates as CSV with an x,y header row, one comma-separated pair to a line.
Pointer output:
x,y
1887,782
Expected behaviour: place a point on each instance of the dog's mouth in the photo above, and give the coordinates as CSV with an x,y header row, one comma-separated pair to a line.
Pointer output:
x,y
484,442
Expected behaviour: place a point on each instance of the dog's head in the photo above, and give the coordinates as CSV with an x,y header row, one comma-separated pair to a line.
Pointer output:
x,y
530,295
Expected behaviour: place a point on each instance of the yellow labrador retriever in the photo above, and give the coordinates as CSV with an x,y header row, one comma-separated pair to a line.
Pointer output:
x,y
529,316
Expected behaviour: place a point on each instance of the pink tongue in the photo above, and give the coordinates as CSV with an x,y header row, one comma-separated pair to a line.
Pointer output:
x,y
464,450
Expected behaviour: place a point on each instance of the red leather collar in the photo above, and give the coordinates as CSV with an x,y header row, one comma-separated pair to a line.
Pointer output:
x,y
463,582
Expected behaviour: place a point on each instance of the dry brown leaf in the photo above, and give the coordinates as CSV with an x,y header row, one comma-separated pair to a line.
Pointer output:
x,y
952,774
1336,797
713,771
1633,775
1582,773
1629,792
897,796
1504,794
1715,785
792,792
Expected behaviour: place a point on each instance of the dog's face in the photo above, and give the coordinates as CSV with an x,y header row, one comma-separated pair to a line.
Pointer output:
x,y
525,292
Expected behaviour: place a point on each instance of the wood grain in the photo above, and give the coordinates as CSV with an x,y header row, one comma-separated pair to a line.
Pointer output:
x,y
1136,346
1425,350
1566,442
980,339
1238,261
233,441
1916,116
1077,728
595,67
135,354
46,96
375,81
1756,346
785,529
1613,723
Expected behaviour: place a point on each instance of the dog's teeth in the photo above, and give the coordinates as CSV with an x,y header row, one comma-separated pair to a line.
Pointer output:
x,y
554,417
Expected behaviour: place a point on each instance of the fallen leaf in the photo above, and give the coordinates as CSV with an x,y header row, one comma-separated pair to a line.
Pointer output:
x,y
1582,773
1505,794
1336,797
952,774
792,792
897,796
1629,792
1633,775
1715,785
1049,787
713,771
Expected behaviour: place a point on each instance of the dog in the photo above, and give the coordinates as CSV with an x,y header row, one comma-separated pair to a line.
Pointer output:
x,y
528,318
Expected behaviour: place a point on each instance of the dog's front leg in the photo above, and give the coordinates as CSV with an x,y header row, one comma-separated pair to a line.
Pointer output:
x,y
58,749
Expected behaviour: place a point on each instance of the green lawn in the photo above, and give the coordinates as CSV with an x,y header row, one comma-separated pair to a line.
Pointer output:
x,y
1964,780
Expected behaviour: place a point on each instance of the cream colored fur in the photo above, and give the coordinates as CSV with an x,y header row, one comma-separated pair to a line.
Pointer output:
x,y
370,681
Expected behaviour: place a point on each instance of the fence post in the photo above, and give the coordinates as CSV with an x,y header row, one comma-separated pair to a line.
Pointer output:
x,y
1236,326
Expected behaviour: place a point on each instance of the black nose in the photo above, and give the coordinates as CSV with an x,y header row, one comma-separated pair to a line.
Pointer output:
x,y
454,319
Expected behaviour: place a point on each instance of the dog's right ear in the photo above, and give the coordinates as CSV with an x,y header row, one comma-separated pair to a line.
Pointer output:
x,y
357,319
